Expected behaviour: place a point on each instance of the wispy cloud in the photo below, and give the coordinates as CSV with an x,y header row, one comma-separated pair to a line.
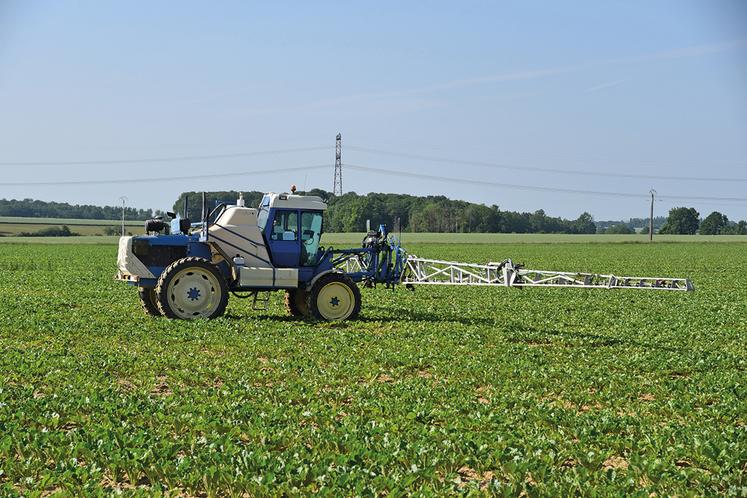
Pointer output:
x,y
684,52
534,74
449,85
604,86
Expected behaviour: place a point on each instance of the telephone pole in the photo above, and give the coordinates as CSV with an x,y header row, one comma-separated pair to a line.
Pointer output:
x,y
337,186
123,199
651,217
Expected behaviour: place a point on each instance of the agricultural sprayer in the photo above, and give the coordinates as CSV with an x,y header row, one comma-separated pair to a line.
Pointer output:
x,y
187,270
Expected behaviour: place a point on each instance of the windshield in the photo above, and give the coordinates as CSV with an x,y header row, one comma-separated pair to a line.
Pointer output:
x,y
262,218
264,212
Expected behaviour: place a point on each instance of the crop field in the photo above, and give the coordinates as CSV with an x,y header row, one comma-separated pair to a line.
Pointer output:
x,y
415,239
13,225
438,391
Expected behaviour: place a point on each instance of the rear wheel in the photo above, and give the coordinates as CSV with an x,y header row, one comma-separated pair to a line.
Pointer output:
x,y
295,302
192,288
148,301
334,297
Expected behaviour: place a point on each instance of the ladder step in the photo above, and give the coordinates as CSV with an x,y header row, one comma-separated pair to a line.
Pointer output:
x,y
260,303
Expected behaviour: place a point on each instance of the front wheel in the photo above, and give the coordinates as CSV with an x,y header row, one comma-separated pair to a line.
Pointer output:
x,y
334,297
191,288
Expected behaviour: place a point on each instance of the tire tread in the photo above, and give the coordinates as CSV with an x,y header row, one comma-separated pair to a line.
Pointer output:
x,y
293,302
148,301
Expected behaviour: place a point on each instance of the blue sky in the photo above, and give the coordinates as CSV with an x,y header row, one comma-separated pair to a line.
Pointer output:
x,y
649,88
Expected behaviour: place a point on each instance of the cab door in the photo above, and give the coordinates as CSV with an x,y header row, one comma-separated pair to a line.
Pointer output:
x,y
282,236
311,232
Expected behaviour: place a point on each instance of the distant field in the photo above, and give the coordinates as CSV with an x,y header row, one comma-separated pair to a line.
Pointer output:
x,y
354,239
65,221
10,226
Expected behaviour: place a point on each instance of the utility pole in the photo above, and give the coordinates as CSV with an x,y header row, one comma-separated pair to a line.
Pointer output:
x,y
651,217
123,199
337,186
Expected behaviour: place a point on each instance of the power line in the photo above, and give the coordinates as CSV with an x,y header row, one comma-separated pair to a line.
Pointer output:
x,y
702,203
399,173
163,159
543,170
163,178
448,179
689,198
205,157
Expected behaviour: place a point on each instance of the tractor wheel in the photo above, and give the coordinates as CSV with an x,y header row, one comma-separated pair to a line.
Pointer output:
x,y
191,288
148,300
295,302
334,297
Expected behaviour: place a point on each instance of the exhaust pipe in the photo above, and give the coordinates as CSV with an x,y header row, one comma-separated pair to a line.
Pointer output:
x,y
204,218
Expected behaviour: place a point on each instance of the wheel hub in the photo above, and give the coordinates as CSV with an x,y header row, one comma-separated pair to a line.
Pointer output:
x,y
193,294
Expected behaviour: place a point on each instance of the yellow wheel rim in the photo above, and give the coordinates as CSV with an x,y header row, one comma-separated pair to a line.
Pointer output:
x,y
335,301
194,292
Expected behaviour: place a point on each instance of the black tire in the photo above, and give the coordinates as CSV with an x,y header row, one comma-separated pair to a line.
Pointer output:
x,y
189,283
148,300
341,290
296,302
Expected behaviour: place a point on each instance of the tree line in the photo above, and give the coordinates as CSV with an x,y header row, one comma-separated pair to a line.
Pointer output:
x,y
633,225
684,220
349,213
63,231
681,221
42,209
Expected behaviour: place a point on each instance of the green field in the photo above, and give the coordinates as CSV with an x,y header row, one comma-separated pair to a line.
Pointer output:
x,y
408,239
501,391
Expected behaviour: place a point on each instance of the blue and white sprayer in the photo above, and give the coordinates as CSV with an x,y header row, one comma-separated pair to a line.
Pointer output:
x,y
190,271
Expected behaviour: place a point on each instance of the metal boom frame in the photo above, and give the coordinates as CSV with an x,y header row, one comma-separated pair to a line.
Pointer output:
x,y
421,271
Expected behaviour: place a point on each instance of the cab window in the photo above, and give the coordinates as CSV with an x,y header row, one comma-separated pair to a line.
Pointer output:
x,y
285,226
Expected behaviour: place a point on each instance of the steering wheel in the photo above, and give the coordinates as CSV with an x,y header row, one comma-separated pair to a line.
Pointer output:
x,y
310,240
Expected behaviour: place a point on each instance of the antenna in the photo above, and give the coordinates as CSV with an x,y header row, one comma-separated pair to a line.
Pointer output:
x,y
337,186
